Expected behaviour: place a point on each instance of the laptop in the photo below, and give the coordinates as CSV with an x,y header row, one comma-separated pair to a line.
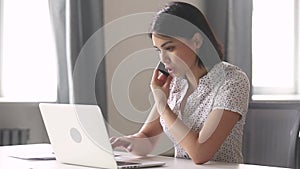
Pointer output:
x,y
78,136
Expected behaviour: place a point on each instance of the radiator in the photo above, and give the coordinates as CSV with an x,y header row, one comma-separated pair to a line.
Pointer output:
x,y
13,136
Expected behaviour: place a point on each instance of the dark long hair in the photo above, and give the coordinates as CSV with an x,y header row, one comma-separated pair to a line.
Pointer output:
x,y
180,19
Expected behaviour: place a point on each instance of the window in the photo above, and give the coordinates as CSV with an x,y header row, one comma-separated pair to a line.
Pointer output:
x,y
275,56
28,64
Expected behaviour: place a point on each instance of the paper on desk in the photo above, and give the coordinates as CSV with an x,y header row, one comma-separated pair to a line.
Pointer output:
x,y
33,152
34,156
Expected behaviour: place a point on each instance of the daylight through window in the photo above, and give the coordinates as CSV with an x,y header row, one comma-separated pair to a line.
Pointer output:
x,y
28,60
275,58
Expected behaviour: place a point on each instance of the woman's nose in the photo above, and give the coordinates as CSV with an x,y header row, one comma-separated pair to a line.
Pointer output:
x,y
164,57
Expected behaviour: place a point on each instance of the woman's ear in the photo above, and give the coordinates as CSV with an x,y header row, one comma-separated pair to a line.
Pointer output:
x,y
197,40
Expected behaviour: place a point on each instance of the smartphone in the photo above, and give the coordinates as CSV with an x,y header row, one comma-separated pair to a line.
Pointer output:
x,y
162,69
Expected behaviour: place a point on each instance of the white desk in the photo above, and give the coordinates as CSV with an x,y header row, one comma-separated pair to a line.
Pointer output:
x,y
7,162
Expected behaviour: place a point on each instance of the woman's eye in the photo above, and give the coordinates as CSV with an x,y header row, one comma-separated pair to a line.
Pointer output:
x,y
170,48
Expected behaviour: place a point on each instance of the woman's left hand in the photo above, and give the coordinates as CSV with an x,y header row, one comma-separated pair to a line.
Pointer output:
x,y
160,86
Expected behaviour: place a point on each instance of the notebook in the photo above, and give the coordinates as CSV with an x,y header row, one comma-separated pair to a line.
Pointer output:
x,y
78,136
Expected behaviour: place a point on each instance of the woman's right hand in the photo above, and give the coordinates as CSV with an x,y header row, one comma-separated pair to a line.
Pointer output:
x,y
138,144
160,87
123,142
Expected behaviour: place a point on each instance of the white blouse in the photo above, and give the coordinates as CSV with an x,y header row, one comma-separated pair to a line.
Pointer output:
x,y
225,86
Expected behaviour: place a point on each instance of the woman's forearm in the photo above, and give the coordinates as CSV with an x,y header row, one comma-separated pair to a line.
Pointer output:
x,y
185,137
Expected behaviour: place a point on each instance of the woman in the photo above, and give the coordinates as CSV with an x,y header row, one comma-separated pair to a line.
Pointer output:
x,y
202,105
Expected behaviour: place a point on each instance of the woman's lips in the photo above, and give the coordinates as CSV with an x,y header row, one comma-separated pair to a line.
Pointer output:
x,y
170,70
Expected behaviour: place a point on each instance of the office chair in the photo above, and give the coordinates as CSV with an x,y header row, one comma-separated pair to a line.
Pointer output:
x,y
271,136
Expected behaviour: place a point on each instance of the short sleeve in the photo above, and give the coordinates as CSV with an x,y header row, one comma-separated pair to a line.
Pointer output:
x,y
233,94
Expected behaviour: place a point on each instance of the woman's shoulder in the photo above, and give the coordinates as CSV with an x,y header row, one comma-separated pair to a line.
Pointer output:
x,y
236,77
228,72
232,71
230,67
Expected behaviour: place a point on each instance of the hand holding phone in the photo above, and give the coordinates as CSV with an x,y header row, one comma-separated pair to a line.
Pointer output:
x,y
162,69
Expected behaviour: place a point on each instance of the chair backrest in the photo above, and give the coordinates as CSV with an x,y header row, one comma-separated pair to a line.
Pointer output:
x,y
270,137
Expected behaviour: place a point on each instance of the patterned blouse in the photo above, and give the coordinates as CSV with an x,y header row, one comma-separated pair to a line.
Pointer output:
x,y
225,86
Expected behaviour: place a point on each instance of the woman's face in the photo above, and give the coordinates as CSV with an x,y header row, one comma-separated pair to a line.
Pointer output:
x,y
178,54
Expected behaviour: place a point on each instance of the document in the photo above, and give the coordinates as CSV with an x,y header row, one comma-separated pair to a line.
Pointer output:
x,y
35,152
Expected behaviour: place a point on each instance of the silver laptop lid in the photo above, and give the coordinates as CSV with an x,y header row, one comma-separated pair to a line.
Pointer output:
x,y
78,134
